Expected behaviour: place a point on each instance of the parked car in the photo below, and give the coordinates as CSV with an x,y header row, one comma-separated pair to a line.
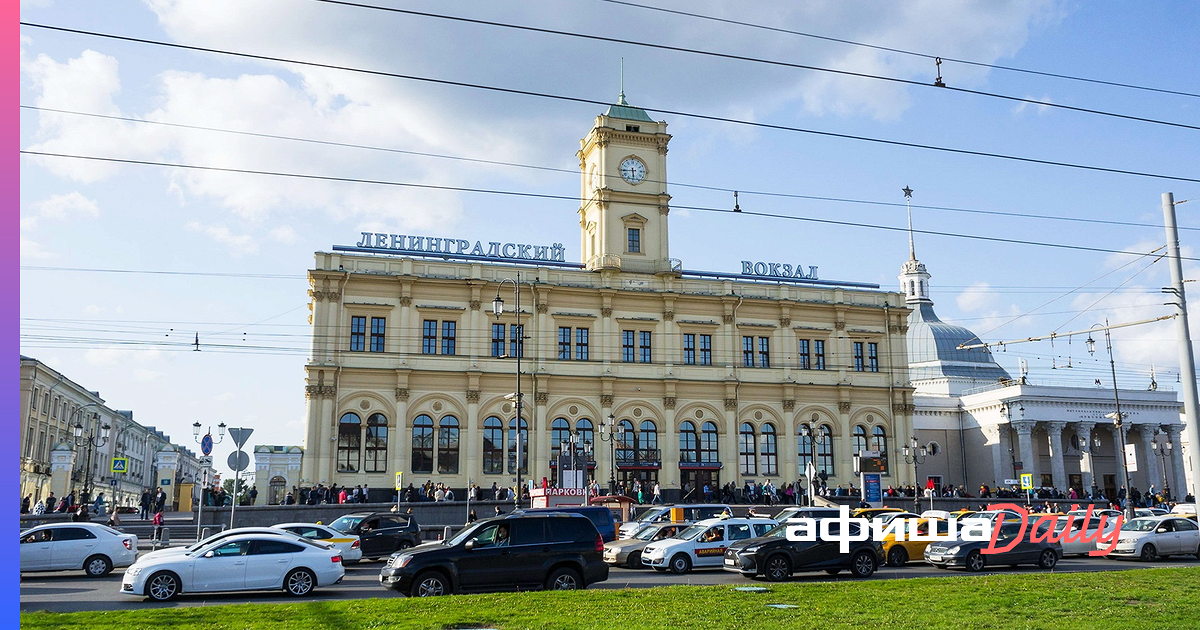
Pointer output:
x,y
815,513
174,551
599,515
628,551
898,553
662,514
1186,510
874,513
1157,537
969,554
380,534
349,545
775,557
1143,512
888,516
1077,531
550,550
244,562
702,544
1111,514
93,547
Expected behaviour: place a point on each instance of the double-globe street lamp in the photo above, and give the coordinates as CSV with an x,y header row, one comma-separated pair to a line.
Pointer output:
x,y
810,469
915,453
93,442
1118,418
519,338
610,432
1164,452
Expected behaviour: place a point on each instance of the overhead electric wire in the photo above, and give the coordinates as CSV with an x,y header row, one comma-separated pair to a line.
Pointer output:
x,y
900,50
573,99
575,172
770,62
510,193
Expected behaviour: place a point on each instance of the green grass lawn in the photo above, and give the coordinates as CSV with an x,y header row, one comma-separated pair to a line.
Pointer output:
x,y
1144,598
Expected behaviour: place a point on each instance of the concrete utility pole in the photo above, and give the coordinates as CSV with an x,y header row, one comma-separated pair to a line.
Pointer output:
x,y
1187,360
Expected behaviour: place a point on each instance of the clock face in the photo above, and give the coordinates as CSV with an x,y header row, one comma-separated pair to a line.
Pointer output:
x,y
633,170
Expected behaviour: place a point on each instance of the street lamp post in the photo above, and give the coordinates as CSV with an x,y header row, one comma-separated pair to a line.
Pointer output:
x,y
810,471
915,454
610,432
206,444
1118,418
1164,452
93,442
516,398
1006,411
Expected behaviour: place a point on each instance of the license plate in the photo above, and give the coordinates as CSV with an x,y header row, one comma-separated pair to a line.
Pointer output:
x,y
730,562
935,557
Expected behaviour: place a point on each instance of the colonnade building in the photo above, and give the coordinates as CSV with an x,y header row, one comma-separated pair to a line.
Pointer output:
x,y
680,377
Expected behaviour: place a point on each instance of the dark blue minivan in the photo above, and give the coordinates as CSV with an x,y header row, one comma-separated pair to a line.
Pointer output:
x,y
601,516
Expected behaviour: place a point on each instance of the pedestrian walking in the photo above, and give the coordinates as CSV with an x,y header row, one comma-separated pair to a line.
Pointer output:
x,y
158,525
114,518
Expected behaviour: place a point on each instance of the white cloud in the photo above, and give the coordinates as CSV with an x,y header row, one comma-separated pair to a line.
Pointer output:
x,y
62,206
238,244
34,250
138,364
977,297
1039,109
284,234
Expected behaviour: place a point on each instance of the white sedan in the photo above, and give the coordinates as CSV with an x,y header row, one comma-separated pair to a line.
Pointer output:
x,y
702,544
178,551
245,562
1157,537
1077,531
93,547
349,544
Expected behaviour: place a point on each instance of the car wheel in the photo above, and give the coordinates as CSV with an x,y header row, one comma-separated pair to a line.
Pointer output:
x,y
634,561
97,566
862,565
975,562
1048,559
681,564
430,584
778,568
897,557
162,586
1149,553
299,583
563,579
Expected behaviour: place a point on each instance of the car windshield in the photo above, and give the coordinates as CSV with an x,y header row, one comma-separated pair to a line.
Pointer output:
x,y
346,524
1140,525
779,531
691,532
646,533
649,514
464,534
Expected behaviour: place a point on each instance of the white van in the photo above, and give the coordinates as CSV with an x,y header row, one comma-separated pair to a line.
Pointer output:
x,y
662,514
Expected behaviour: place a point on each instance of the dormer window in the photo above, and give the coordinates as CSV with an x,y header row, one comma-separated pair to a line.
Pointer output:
x,y
633,128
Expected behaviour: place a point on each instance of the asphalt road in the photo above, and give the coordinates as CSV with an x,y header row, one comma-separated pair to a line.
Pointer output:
x,y
72,592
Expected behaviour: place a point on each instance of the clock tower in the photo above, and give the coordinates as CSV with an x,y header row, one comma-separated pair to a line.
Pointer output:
x,y
623,198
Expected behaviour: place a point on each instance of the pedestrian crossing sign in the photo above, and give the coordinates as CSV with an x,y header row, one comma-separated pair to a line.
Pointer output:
x,y
1027,481
120,464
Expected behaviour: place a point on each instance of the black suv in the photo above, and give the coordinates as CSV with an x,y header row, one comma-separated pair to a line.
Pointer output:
x,y
380,534
599,515
775,557
554,551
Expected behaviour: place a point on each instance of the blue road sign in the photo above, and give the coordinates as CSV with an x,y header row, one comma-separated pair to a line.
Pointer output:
x,y
206,444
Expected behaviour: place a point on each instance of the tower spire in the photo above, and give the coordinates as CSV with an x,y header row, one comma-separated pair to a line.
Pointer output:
x,y
621,96
912,250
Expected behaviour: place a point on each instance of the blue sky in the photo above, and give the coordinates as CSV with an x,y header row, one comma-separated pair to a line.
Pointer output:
x,y
224,255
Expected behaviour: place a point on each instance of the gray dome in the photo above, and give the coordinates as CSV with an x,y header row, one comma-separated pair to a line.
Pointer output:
x,y
933,349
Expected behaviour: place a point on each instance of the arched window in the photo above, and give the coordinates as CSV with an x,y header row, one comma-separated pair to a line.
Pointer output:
x,y
447,457
647,438
858,441
768,453
879,443
746,461
422,444
493,446
708,443
689,447
349,441
626,442
825,449
375,453
512,446
560,431
587,434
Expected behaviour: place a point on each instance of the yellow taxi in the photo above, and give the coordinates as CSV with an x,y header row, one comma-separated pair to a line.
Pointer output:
x,y
870,513
897,553
348,544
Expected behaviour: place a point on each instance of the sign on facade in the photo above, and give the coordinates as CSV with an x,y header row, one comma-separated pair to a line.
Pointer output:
x,y
1131,458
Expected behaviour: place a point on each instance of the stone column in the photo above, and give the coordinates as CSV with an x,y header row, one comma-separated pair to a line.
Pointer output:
x,y
1024,430
62,462
1085,454
1148,458
1058,469
1118,439
1178,480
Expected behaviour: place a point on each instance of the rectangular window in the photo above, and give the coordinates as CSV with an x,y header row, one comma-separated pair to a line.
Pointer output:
x,y
858,356
627,346
748,351
689,349
358,334
497,340
802,354
635,240
705,349
581,344
429,337
517,341
34,398
872,357
564,343
644,346
378,327
764,352
449,337
818,355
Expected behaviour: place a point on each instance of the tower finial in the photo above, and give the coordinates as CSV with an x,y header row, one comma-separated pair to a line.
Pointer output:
x,y
912,250
621,96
